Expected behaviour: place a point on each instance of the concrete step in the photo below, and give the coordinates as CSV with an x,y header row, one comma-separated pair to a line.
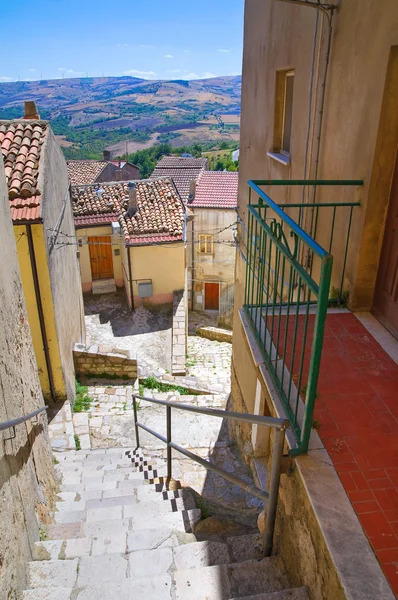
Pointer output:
x,y
52,573
59,593
104,286
62,549
290,594
153,588
222,582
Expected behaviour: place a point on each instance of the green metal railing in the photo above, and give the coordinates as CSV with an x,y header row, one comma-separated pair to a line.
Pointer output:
x,y
288,280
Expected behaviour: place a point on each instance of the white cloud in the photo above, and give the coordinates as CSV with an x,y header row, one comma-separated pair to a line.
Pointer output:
x,y
191,76
146,46
223,50
139,73
168,56
121,45
175,71
32,70
62,69
3,78
208,75
71,72
187,51
205,75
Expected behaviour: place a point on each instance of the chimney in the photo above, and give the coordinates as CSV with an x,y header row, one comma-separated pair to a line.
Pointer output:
x,y
30,111
107,155
192,190
132,209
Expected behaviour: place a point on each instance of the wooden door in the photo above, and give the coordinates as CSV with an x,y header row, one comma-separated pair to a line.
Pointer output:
x,y
101,257
385,302
212,294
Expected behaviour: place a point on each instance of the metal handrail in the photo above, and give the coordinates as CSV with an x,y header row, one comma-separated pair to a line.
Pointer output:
x,y
280,426
14,422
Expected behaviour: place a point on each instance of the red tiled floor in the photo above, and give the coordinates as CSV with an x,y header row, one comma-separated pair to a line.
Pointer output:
x,y
357,410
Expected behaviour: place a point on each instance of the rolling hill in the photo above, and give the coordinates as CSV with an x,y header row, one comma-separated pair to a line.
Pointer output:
x,y
127,113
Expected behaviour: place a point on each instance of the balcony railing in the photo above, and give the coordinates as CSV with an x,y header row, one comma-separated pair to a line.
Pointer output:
x,y
288,290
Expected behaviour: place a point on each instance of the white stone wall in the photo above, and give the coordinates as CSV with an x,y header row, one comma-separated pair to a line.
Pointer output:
x,y
26,471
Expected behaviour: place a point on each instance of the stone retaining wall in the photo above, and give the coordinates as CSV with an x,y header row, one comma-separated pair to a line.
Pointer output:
x,y
104,360
215,333
179,342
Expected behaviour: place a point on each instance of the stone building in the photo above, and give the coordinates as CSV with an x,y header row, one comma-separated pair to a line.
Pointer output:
x,y
26,468
182,171
210,235
84,172
41,213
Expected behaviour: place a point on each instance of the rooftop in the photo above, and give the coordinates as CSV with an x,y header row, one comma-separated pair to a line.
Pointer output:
x,y
84,172
216,189
21,143
160,215
181,170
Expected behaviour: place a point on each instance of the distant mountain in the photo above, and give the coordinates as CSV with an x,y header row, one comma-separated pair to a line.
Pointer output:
x,y
89,113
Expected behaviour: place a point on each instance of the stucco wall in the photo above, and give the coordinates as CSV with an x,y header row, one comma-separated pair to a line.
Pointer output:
x,y
62,261
26,471
84,260
218,267
164,264
281,36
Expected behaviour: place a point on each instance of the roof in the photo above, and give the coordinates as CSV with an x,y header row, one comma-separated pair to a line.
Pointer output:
x,y
83,172
21,144
216,189
182,171
160,216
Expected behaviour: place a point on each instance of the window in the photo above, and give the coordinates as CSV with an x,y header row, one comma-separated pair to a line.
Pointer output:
x,y
283,112
205,244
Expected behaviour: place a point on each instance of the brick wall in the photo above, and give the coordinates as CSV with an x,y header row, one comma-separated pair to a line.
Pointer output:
x,y
101,360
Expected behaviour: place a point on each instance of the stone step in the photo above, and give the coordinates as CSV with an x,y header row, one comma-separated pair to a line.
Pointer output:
x,y
52,573
222,582
185,520
62,549
245,547
59,593
151,588
300,593
200,554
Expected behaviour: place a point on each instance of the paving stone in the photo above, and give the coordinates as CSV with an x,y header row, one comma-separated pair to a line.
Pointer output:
x,y
64,531
99,486
70,516
254,577
149,563
70,506
154,588
101,569
200,554
150,539
52,573
111,502
48,594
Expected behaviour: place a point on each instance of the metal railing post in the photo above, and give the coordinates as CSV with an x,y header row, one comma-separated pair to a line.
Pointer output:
x,y
273,491
168,422
137,435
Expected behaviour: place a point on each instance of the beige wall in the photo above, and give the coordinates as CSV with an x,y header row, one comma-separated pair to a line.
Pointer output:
x,y
84,259
219,267
164,264
63,264
281,36
26,471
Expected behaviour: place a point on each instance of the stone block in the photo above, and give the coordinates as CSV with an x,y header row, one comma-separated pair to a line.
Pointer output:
x,y
52,573
101,569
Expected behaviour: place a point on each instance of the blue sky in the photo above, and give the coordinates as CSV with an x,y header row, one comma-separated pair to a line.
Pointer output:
x,y
155,39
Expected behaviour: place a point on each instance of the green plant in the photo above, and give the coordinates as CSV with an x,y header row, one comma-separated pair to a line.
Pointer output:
x,y
106,376
150,383
315,424
342,296
202,505
55,461
42,535
304,391
83,400
125,406
77,442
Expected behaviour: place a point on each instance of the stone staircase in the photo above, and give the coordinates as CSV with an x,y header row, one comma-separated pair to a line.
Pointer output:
x,y
118,532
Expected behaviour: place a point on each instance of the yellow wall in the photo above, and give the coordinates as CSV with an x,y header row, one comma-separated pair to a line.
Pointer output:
x,y
85,267
48,308
165,265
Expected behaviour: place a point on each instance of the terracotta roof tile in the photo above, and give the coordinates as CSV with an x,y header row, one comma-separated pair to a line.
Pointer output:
x,y
84,172
21,143
181,170
216,189
160,215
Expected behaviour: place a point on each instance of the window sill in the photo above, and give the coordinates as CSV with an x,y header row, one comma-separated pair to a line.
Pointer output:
x,y
284,159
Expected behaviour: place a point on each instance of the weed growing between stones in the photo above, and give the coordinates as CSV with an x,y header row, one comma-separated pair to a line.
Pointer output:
x,y
77,442
150,383
83,400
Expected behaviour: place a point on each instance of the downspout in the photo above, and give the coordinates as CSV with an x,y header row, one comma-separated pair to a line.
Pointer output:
x,y
40,310
192,261
130,278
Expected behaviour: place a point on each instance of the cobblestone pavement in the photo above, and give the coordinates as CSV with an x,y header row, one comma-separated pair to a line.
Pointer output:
x,y
146,333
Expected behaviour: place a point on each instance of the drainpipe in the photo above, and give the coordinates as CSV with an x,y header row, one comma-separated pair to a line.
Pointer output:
x,y
130,278
192,261
40,310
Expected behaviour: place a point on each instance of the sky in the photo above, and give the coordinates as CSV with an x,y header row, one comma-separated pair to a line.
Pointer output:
x,y
153,39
